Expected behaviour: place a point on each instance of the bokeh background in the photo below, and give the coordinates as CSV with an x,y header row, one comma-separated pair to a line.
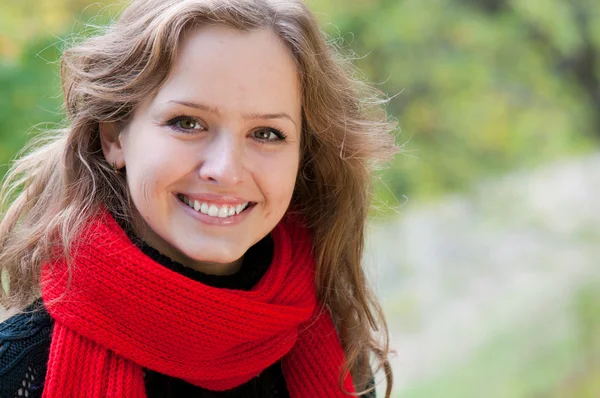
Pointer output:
x,y
484,243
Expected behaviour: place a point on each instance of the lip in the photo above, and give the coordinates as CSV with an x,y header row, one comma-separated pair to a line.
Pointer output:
x,y
216,199
218,221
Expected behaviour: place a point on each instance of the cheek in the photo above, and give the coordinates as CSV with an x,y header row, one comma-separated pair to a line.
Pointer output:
x,y
278,182
151,171
146,173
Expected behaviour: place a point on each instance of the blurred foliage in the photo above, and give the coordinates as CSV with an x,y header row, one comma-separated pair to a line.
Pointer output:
x,y
29,96
479,87
32,35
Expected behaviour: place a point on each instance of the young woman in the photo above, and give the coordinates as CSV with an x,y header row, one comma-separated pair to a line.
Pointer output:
x,y
198,228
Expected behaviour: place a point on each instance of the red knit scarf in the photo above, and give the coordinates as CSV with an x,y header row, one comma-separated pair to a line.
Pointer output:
x,y
123,312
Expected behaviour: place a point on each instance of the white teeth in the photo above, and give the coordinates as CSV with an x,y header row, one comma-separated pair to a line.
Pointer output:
x,y
213,210
204,208
223,211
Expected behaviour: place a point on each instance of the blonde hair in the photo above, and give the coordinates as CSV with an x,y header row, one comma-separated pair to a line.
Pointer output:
x,y
52,190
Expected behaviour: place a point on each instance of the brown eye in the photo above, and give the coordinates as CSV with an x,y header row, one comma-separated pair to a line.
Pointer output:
x,y
187,124
269,134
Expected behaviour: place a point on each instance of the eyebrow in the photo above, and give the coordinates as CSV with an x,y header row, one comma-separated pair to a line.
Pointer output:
x,y
245,116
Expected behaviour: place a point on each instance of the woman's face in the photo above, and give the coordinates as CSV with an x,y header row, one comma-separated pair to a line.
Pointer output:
x,y
212,158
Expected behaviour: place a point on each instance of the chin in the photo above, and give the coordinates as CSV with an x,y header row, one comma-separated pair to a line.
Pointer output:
x,y
214,258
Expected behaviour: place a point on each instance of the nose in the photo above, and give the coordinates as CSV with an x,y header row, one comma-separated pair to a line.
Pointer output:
x,y
222,161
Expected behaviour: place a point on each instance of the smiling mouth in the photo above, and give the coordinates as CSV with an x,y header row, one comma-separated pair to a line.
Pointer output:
x,y
214,209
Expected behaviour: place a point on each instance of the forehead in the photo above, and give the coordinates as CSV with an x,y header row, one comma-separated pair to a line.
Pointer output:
x,y
235,71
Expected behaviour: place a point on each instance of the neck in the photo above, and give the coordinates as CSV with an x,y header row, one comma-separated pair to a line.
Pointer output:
x,y
149,237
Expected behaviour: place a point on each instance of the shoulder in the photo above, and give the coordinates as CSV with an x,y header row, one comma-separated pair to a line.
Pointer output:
x,y
24,350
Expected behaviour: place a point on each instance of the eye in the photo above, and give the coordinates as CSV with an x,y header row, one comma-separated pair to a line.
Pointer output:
x,y
269,134
186,124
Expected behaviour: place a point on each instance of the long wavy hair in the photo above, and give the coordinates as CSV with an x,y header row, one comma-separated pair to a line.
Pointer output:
x,y
62,179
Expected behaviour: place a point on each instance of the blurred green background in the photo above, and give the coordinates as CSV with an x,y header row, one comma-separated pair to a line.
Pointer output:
x,y
485,245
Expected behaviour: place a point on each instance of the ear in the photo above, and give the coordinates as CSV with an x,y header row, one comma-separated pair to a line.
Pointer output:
x,y
112,148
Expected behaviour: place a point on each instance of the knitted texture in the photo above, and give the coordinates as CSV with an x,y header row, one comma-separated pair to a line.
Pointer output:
x,y
119,312
24,349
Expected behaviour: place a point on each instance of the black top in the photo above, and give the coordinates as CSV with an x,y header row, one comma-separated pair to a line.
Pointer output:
x,y
25,340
